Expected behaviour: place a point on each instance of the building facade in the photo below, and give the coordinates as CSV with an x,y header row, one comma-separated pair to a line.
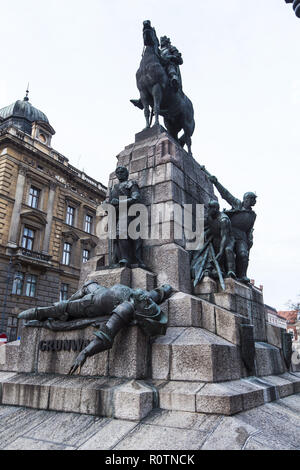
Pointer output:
x,y
273,317
47,216
292,318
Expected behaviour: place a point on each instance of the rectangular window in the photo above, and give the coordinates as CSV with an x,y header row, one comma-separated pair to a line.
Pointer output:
x,y
28,238
17,287
64,292
30,289
88,223
12,326
70,215
66,258
34,195
85,256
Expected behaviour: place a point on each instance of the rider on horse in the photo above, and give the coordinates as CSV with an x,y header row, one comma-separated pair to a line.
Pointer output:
x,y
170,59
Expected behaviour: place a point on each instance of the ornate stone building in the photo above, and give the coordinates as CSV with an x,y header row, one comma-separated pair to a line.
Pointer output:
x,y
47,216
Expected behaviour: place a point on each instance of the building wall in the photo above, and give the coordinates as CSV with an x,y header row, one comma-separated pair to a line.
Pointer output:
x,y
24,162
275,320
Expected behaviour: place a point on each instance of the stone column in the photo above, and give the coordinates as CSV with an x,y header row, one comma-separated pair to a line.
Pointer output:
x,y
50,207
15,218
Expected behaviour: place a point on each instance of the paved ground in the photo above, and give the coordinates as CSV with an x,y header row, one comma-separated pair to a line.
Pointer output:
x,y
272,426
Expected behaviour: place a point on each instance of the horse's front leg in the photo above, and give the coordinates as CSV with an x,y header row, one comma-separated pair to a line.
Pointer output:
x,y
146,110
157,97
147,116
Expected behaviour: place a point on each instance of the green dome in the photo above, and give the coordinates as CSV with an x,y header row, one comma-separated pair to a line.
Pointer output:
x,y
23,109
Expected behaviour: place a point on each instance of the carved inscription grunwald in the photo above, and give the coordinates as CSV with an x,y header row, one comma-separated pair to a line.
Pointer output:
x,y
57,345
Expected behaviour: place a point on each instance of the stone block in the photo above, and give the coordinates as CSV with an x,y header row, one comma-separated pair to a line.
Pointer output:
x,y
146,195
283,386
177,395
238,288
139,152
94,396
29,345
9,356
244,306
206,286
176,174
225,300
253,395
274,335
168,191
257,295
146,177
247,349
27,390
228,325
291,377
129,356
218,399
161,173
149,133
4,376
88,268
60,361
268,360
184,310
123,160
132,401
208,316
106,394
76,394
198,355
161,353
3,357
171,263
109,277
165,233
269,390
230,397
137,164
142,279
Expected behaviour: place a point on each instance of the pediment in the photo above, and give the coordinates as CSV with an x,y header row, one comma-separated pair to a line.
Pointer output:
x,y
34,216
88,242
70,234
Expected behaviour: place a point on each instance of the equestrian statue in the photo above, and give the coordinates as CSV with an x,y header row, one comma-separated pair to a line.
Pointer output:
x,y
159,82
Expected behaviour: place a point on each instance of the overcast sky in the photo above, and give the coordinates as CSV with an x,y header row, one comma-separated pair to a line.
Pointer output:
x,y
241,70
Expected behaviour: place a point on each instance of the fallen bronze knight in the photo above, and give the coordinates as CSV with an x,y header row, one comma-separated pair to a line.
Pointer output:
x,y
124,305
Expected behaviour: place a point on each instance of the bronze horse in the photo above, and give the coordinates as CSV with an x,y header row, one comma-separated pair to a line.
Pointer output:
x,y
156,92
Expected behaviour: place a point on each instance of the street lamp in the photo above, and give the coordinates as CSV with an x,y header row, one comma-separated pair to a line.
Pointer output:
x,y
296,6
10,274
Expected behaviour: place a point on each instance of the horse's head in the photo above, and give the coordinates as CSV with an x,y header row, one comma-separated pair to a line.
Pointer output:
x,y
149,35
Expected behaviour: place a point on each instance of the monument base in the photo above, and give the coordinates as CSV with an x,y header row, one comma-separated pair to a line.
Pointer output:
x,y
198,366
219,355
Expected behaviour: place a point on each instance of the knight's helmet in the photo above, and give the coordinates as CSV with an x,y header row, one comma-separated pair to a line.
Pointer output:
x,y
165,41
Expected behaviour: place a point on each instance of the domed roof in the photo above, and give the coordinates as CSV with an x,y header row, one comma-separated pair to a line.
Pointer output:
x,y
23,109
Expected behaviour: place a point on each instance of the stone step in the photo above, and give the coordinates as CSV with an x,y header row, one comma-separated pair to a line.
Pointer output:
x,y
226,398
116,398
134,399
194,354
268,360
186,310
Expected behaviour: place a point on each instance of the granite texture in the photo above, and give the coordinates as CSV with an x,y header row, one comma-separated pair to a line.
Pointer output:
x,y
272,426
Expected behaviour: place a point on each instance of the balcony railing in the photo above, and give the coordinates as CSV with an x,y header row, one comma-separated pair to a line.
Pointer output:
x,y
34,255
